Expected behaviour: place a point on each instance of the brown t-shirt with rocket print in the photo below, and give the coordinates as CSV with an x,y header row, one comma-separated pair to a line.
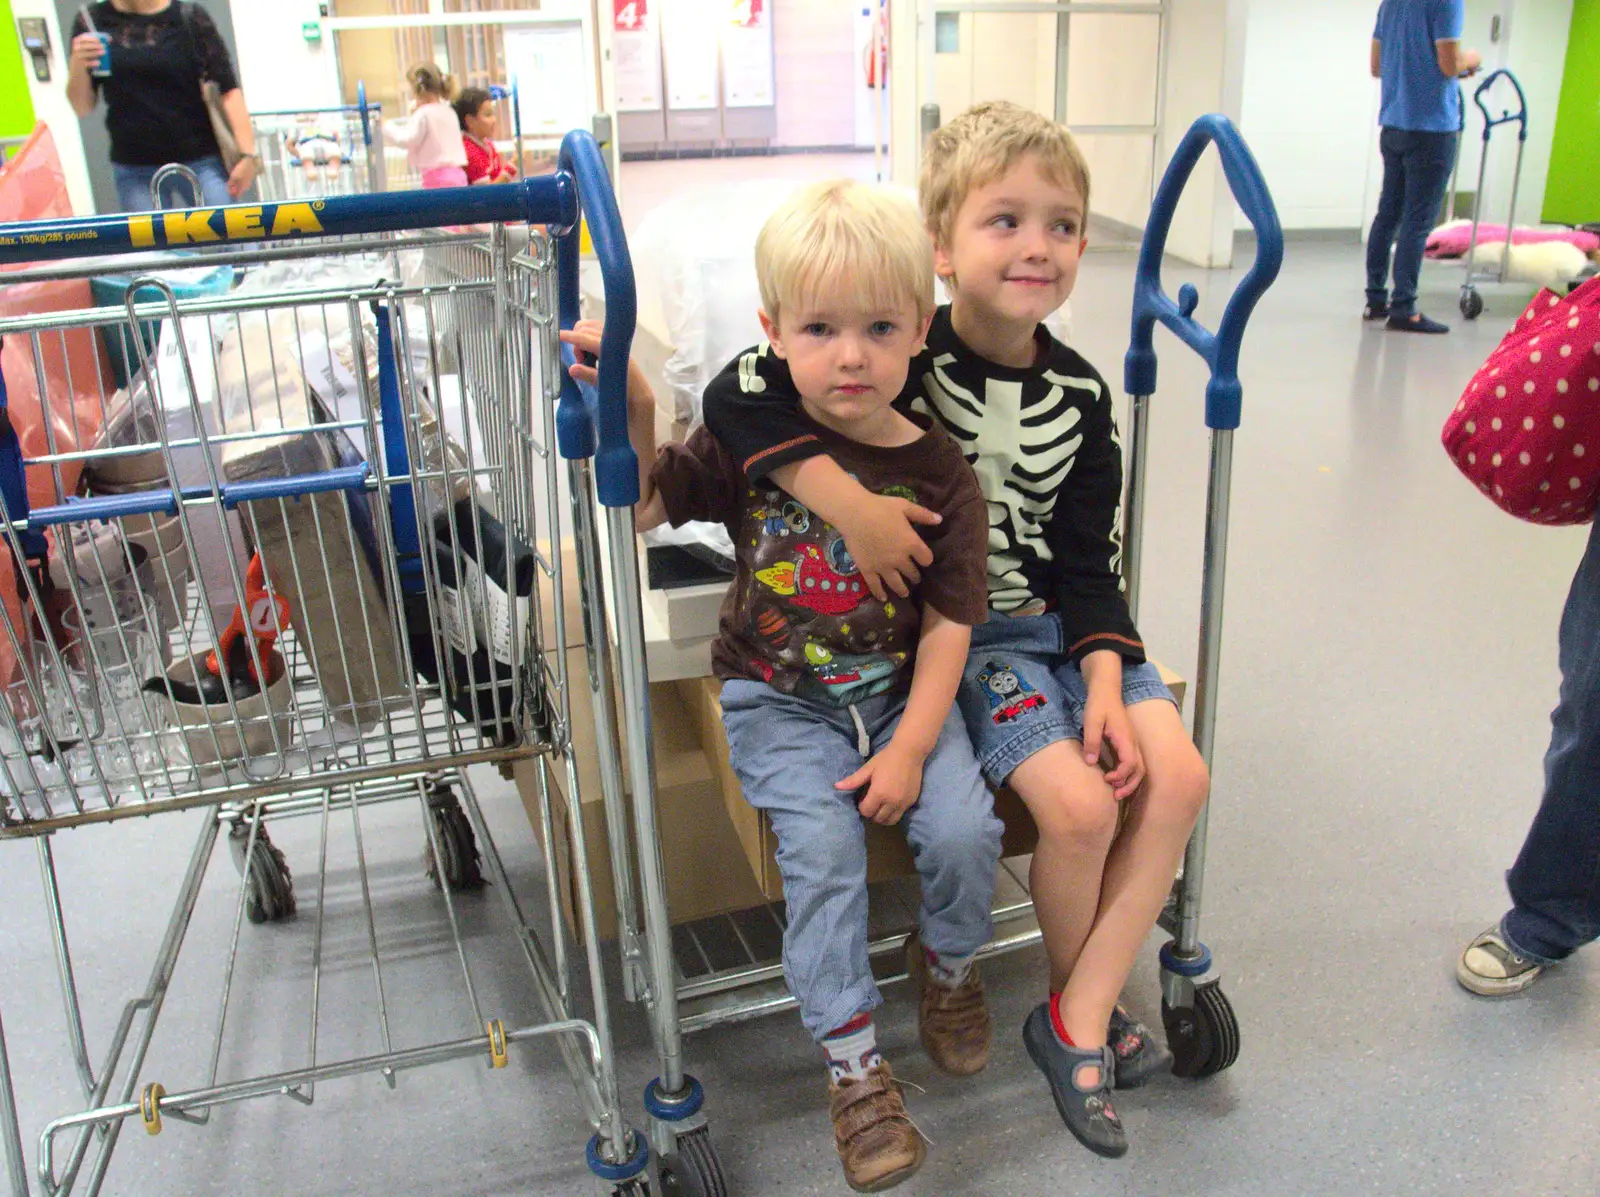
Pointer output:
x,y
798,615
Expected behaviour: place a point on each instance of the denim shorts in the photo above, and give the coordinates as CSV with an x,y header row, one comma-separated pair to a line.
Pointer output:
x,y
1020,692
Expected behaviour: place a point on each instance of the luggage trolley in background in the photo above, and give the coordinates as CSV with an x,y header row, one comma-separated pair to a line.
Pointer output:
x,y
1201,1029
1471,300
377,652
360,142
724,968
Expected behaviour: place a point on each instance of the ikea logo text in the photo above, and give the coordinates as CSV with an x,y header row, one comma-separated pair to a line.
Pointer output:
x,y
237,224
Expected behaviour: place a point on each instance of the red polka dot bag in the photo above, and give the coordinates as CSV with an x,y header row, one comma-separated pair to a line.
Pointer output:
x,y
1527,429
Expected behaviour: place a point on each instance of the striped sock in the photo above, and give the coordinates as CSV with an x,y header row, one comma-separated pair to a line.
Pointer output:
x,y
852,1049
947,971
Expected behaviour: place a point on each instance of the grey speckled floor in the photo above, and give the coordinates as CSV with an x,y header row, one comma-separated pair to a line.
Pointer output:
x,y
1388,669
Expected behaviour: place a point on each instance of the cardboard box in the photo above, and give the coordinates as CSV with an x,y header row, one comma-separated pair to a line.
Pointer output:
x,y
888,855
703,864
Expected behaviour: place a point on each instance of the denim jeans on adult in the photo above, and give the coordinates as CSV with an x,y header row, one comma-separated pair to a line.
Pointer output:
x,y
788,753
133,186
1555,884
1416,170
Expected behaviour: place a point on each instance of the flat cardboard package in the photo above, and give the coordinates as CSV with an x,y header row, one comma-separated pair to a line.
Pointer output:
x,y
704,865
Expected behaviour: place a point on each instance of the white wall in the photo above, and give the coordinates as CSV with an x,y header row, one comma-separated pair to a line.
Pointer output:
x,y
1310,106
1537,54
1205,74
278,68
815,68
50,106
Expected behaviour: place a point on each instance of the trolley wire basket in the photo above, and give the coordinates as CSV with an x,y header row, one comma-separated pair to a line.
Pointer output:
x,y
304,559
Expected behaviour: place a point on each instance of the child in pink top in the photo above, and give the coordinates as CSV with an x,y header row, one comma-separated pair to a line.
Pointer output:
x,y
431,135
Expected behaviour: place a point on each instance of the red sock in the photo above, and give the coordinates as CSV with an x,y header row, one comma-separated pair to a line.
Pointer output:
x,y
1056,1024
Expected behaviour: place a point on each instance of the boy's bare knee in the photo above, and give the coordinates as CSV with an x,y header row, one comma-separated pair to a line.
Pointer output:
x,y
1179,790
1077,816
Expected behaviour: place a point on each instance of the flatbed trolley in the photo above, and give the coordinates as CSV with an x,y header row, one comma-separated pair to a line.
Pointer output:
x,y
725,970
381,649
1471,300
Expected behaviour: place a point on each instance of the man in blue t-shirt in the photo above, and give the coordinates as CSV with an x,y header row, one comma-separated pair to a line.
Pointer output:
x,y
1417,52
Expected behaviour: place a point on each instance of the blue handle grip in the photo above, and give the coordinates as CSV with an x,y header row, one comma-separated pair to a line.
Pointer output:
x,y
1507,116
165,501
1220,350
14,481
599,426
366,122
296,486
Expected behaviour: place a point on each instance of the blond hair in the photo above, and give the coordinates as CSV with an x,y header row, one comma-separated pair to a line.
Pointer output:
x,y
428,80
843,236
982,145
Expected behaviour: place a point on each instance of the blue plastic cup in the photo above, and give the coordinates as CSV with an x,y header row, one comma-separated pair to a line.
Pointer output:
x,y
102,69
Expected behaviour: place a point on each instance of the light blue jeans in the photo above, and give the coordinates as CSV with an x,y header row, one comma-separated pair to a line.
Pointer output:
x,y
788,754
133,186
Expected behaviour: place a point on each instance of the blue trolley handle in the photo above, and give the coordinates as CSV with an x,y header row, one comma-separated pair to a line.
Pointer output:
x,y
1220,349
361,103
594,421
1506,116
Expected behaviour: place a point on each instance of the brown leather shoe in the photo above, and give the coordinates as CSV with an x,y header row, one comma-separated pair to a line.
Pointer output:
x,y
953,1023
878,1147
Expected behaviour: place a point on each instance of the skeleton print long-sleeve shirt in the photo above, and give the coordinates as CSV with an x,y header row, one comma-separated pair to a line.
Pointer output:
x,y
1043,443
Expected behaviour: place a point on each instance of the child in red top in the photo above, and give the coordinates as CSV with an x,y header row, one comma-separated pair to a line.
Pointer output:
x,y
475,109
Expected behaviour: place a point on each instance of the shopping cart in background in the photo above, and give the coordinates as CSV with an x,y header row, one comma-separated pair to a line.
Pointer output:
x,y
306,561
345,157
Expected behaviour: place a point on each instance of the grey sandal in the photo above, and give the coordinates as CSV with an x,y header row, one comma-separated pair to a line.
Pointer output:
x,y
1085,1108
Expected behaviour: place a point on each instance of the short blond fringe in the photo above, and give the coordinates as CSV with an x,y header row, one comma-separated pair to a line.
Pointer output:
x,y
980,146
843,240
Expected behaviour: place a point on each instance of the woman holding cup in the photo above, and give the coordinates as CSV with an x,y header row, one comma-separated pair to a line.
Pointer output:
x,y
149,59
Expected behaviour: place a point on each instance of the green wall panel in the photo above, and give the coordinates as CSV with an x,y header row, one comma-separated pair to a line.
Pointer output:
x,y
16,108
1572,193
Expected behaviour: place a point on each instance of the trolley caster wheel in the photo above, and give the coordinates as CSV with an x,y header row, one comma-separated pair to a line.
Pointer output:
x,y
694,1170
269,886
1205,1038
1471,304
638,1187
457,845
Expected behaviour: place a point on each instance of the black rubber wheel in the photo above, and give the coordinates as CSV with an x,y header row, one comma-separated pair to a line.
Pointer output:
x,y
1205,1038
1471,304
269,886
457,845
694,1170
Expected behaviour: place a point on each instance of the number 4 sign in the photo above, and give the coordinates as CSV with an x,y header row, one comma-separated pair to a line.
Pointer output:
x,y
629,15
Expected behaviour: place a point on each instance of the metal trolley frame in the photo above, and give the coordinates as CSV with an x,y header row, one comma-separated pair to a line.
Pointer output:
x,y
84,758
361,142
1471,300
722,970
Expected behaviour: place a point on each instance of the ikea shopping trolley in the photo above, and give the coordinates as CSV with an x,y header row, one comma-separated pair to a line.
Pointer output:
x,y
723,970
303,559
